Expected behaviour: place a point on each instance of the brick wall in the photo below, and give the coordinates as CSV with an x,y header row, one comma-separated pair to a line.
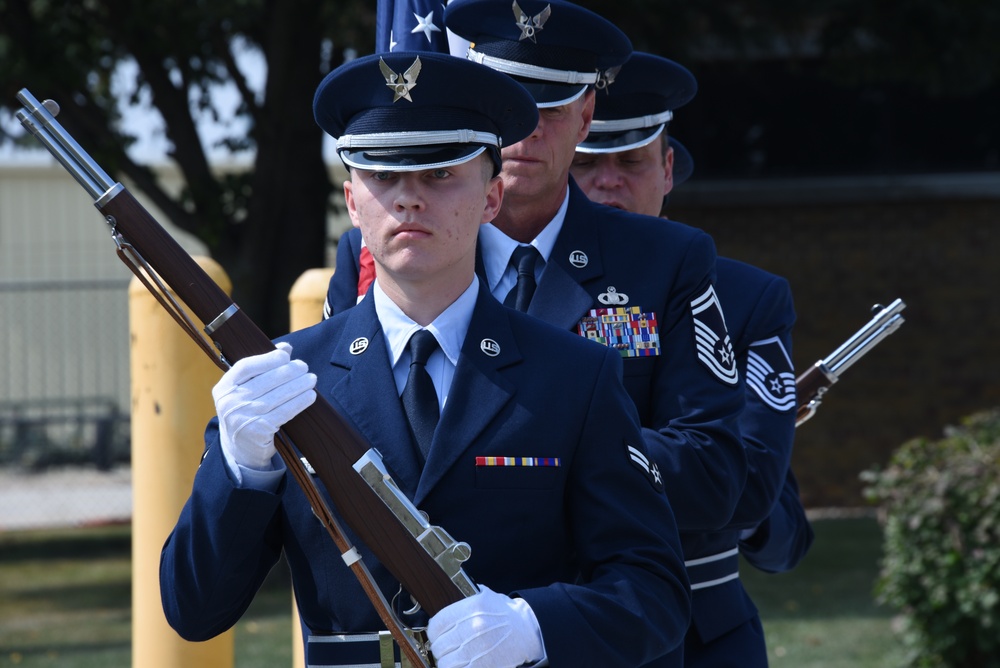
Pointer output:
x,y
844,246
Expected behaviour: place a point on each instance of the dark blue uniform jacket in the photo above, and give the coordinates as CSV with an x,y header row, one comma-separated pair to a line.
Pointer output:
x,y
591,543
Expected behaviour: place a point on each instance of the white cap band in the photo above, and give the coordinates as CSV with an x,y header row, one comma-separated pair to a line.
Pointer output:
x,y
621,125
533,71
423,138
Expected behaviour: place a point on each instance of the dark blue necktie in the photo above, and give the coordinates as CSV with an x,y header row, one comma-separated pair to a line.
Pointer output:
x,y
419,398
523,259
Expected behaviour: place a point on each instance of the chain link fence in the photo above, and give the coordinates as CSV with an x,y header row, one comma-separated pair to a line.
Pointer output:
x,y
64,403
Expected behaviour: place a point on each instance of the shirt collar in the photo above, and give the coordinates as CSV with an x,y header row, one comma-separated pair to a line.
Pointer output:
x,y
449,328
497,247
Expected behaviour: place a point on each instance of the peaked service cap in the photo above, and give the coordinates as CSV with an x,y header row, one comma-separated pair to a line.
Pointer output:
x,y
637,102
407,111
553,47
683,162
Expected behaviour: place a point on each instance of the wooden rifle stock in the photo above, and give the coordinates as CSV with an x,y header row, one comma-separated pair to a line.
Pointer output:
x,y
324,438
810,388
813,384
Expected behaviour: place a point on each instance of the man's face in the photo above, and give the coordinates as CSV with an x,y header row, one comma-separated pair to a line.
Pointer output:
x,y
635,180
539,164
423,225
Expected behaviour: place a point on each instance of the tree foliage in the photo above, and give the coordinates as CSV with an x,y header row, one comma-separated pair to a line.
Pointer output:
x,y
936,46
264,225
792,88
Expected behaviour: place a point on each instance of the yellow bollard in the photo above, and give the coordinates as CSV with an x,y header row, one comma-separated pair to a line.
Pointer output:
x,y
305,302
307,296
172,381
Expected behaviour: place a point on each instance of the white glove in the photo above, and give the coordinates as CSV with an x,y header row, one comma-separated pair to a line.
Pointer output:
x,y
254,398
488,630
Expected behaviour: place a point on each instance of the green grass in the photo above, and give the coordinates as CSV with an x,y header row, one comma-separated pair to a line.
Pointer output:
x,y
65,600
823,614
66,597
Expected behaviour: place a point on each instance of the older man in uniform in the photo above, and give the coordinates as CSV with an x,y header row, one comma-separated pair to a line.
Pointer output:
x,y
627,162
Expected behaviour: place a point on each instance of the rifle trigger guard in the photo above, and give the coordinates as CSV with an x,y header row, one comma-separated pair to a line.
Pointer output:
x,y
396,604
148,277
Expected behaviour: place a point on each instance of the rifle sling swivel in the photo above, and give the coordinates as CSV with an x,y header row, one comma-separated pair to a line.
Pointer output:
x,y
138,265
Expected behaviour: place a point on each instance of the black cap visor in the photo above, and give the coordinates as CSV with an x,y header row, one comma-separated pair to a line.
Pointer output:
x,y
416,158
618,142
548,94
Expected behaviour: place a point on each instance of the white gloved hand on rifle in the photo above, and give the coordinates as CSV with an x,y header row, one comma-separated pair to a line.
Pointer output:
x,y
488,630
254,398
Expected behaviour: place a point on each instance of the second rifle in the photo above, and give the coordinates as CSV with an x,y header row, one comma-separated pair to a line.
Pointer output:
x,y
813,384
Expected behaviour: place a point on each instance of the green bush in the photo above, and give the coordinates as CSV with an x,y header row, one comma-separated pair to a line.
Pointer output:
x,y
940,508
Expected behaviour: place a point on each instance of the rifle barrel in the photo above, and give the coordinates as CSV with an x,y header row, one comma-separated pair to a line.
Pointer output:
x,y
36,118
813,384
886,321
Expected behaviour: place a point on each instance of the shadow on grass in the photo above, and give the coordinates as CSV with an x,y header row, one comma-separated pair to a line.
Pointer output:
x,y
836,579
73,597
80,649
83,543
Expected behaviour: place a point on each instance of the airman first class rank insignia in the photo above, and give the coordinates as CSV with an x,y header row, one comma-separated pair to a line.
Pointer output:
x,y
628,330
640,460
712,343
769,374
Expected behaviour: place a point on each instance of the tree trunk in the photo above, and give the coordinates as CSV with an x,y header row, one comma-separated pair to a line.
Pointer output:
x,y
286,221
